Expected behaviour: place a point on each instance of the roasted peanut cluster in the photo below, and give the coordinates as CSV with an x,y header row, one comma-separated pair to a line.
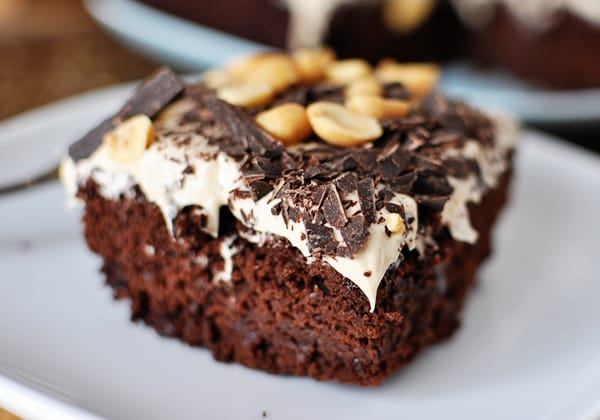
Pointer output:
x,y
255,81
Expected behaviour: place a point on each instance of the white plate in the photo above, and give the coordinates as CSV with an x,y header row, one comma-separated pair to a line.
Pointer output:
x,y
33,143
189,46
528,347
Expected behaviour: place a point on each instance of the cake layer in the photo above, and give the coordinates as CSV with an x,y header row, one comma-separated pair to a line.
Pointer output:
x,y
279,313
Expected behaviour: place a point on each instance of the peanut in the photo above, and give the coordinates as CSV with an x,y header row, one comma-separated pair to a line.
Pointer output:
x,y
340,126
419,78
128,140
287,123
378,107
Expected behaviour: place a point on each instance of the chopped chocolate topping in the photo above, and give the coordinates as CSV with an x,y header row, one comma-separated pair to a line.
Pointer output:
x,y
90,142
392,161
393,207
403,184
366,199
320,238
355,233
333,209
156,92
431,203
244,131
260,189
346,182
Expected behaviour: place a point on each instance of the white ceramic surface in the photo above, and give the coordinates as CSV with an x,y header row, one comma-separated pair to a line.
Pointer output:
x,y
33,143
185,45
528,347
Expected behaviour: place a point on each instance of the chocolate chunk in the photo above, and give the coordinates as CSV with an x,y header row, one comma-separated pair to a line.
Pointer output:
x,y
326,91
346,183
156,92
393,207
386,194
403,184
320,238
355,233
366,158
319,196
432,185
312,172
403,124
424,163
439,137
272,168
457,167
92,140
366,199
244,131
259,189
430,203
333,209
276,209
392,161
151,96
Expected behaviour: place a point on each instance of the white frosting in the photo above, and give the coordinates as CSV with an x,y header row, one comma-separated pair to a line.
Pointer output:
x,y
163,174
228,250
492,163
535,13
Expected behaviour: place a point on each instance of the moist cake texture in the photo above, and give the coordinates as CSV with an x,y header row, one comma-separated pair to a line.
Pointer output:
x,y
295,213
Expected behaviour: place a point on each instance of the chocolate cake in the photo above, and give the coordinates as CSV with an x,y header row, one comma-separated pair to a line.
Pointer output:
x,y
295,213
552,43
423,30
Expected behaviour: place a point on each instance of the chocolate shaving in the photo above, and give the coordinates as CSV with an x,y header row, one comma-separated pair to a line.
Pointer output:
x,y
156,92
392,161
259,189
355,233
393,207
320,238
244,131
92,140
346,183
366,199
333,208
431,203
403,184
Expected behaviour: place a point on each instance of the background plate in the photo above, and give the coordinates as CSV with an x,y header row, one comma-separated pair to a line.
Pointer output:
x,y
192,47
528,347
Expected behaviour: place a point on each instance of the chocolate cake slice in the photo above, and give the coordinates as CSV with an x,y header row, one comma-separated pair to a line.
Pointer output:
x,y
295,213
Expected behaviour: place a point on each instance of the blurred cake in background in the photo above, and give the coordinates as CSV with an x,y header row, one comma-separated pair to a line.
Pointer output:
x,y
404,29
551,43
554,43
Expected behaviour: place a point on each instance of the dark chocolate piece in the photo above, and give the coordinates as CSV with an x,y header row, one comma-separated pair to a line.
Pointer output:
x,y
333,209
366,199
92,140
156,92
355,233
